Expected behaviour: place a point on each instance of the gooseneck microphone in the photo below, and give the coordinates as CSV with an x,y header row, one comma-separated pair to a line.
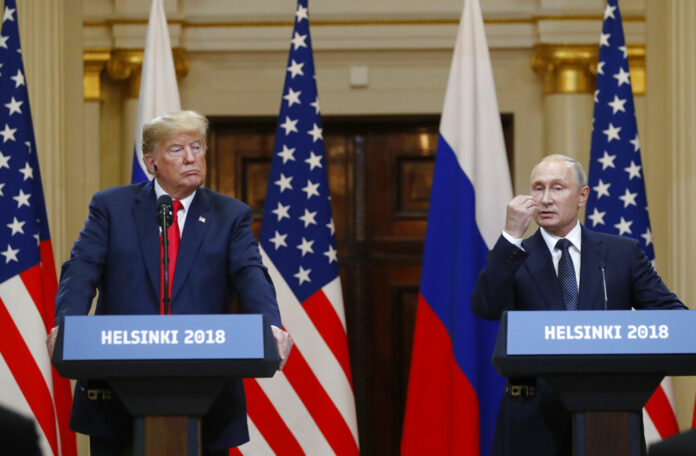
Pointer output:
x,y
603,268
164,220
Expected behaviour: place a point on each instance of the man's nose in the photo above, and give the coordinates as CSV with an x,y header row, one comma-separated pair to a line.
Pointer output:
x,y
546,196
188,154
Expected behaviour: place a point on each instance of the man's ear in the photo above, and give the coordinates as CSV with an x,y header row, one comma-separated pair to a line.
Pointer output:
x,y
150,163
584,194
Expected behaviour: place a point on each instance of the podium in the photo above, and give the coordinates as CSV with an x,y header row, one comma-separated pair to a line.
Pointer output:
x,y
165,368
598,361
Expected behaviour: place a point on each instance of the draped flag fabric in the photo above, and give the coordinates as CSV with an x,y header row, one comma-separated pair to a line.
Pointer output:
x,y
617,202
28,383
454,391
159,92
308,407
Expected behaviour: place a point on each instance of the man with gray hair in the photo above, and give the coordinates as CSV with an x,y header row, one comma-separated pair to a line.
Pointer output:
x,y
560,267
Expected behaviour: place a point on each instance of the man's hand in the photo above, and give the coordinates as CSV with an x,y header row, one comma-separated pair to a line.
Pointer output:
x,y
51,341
284,343
520,212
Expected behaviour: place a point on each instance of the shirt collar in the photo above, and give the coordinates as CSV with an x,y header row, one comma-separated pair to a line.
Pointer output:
x,y
186,202
574,236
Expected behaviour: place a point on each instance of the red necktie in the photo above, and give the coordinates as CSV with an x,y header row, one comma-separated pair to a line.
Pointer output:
x,y
174,239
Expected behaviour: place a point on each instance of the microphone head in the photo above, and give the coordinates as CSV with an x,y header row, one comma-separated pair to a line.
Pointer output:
x,y
164,211
164,200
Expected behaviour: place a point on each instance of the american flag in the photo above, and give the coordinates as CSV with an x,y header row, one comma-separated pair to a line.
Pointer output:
x,y
309,407
28,383
617,202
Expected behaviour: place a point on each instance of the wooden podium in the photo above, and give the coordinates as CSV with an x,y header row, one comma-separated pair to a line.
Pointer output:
x,y
166,370
604,365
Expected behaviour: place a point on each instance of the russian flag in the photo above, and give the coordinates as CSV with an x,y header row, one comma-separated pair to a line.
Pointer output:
x,y
159,92
454,391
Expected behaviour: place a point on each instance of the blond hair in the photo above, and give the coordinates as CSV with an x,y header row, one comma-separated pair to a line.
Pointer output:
x,y
164,127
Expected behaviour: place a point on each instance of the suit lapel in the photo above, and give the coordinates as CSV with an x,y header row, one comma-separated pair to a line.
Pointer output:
x,y
593,255
197,222
145,214
540,267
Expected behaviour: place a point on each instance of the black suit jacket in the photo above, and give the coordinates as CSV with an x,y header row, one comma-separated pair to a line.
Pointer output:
x,y
118,254
18,434
514,279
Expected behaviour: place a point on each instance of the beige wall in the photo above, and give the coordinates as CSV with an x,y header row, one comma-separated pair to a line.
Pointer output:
x,y
670,143
52,52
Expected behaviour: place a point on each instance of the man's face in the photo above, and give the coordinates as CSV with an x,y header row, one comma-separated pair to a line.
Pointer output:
x,y
180,164
557,196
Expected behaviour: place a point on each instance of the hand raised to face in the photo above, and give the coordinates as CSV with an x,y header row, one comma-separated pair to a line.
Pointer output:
x,y
520,213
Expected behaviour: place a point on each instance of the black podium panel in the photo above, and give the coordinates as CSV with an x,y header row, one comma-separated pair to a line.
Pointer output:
x,y
124,368
540,365
168,386
599,382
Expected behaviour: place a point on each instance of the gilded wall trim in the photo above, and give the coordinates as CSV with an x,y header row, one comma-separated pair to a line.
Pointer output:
x,y
568,68
94,62
359,22
121,65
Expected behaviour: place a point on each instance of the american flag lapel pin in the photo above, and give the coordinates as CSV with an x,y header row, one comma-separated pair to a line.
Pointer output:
x,y
201,219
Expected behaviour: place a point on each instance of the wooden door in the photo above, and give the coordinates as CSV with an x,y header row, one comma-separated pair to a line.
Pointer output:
x,y
380,175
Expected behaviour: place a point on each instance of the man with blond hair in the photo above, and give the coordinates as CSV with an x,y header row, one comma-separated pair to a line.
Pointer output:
x,y
118,254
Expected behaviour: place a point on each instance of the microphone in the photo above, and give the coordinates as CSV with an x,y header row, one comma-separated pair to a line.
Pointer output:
x,y
165,219
603,268
164,212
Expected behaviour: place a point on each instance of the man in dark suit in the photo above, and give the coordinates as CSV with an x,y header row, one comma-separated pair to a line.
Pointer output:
x,y
533,274
118,254
18,434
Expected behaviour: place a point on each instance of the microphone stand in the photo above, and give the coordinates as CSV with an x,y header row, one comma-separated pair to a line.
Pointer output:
x,y
165,219
604,285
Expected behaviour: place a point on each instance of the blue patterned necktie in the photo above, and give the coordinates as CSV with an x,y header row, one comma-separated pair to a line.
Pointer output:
x,y
566,275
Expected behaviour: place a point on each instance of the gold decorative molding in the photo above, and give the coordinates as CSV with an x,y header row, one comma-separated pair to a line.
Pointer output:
x,y
572,68
361,22
126,64
124,21
566,68
636,65
94,62
584,17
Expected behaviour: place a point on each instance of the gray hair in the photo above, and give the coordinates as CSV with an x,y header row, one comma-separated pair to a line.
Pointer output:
x,y
578,170
164,127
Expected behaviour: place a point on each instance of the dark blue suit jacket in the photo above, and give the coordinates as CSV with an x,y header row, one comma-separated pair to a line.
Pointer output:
x,y
118,254
526,280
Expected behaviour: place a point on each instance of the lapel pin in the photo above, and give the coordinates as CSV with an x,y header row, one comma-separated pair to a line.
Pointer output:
x,y
201,219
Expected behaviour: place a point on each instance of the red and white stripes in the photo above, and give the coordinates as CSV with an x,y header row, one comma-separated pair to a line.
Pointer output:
x,y
309,407
26,376
659,414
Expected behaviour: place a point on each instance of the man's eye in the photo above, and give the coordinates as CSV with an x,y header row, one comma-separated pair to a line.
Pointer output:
x,y
175,150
